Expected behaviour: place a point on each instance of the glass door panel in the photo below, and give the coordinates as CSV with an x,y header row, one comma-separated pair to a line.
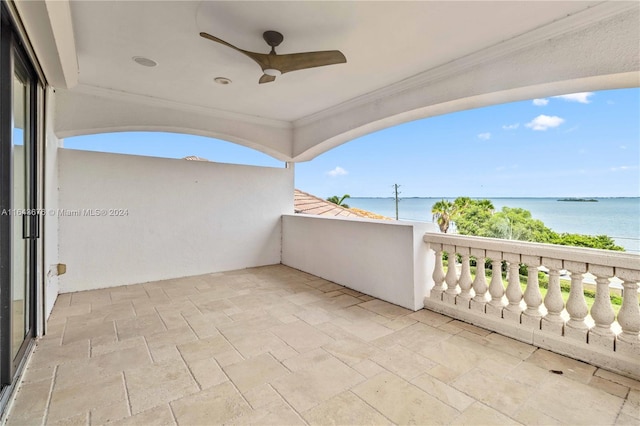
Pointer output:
x,y
20,323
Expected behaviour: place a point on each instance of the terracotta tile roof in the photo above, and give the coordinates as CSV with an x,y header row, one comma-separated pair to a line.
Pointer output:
x,y
310,204
368,214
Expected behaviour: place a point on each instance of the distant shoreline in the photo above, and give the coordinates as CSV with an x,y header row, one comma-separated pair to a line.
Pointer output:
x,y
580,200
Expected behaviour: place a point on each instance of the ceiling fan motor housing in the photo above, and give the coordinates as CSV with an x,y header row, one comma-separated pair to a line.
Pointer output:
x,y
273,38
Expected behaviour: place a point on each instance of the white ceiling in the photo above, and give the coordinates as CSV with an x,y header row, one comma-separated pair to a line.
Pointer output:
x,y
384,42
405,60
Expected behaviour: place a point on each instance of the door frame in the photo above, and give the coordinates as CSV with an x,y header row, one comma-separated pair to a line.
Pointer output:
x,y
6,178
31,222
16,57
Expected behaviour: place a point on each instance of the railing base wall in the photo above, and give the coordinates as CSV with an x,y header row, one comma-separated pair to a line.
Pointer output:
x,y
620,363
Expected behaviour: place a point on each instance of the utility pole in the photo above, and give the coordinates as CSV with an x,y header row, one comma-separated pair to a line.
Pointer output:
x,y
396,186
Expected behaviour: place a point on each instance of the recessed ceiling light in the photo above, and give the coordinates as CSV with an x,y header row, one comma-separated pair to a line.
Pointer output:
x,y
145,62
222,80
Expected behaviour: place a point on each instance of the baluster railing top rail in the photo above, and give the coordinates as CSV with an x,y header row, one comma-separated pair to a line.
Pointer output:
x,y
610,258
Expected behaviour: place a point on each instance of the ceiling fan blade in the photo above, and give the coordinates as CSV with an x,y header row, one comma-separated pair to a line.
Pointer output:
x,y
285,63
266,79
301,61
259,58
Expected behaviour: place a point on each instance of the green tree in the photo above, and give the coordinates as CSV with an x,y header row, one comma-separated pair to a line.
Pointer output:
x,y
339,201
473,216
578,240
478,217
517,224
443,212
469,215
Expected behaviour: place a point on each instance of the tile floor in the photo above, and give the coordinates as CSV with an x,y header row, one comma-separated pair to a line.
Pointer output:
x,y
274,345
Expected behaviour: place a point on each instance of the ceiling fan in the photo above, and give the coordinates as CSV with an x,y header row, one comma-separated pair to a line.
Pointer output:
x,y
273,64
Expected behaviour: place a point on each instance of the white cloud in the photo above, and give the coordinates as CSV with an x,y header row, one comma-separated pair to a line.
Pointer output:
x,y
540,102
338,171
544,122
582,97
511,126
623,147
484,136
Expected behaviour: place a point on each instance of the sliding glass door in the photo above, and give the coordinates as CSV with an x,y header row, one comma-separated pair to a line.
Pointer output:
x,y
24,223
19,221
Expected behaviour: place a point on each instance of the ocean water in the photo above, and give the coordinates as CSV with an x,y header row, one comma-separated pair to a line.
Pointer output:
x,y
618,218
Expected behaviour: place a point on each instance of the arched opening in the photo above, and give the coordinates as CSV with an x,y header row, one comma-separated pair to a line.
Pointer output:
x,y
583,145
171,145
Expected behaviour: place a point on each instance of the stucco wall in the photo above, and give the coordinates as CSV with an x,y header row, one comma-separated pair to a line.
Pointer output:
x,y
182,218
384,259
50,222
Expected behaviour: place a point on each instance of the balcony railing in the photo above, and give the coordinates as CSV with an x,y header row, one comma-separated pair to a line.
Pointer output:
x,y
593,335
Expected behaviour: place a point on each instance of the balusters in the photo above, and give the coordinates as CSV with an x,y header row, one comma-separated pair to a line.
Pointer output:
x,y
451,278
480,282
553,321
629,316
525,314
496,288
438,273
465,279
601,311
514,309
532,316
576,327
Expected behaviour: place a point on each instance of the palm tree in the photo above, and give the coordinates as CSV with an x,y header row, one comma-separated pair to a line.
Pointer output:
x,y
339,201
486,204
443,212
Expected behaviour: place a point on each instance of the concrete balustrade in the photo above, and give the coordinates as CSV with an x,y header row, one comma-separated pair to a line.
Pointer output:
x,y
593,335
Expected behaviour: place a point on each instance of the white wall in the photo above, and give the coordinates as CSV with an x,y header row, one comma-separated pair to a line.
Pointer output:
x,y
384,259
184,218
50,221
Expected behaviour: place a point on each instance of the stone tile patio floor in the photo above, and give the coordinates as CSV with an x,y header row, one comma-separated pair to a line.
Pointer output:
x,y
274,345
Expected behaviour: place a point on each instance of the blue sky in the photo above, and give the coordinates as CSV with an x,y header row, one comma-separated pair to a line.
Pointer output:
x,y
581,145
